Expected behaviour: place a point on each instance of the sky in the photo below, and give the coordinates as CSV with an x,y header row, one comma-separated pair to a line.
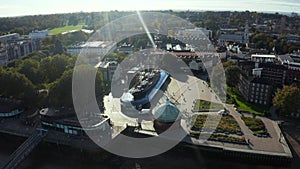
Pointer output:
x,y
34,7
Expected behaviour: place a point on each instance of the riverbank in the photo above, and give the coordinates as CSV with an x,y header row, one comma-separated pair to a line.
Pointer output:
x,y
48,155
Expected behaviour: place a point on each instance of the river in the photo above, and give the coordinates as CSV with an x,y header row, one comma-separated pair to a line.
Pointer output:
x,y
52,156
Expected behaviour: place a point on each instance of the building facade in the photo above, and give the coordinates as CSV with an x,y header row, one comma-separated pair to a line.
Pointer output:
x,y
92,48
107,69
16,49
39,34
8,37
259,81
66,121
240,37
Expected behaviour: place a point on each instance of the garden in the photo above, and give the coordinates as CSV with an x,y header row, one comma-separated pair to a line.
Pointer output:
x,y
198,122
256,125
227,125
227,138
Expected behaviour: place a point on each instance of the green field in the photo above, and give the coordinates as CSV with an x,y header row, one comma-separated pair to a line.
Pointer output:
x,y
203,105
60,30
243,105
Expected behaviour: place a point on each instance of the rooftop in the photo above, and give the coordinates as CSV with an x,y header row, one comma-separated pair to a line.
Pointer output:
x,y
95,44
263,56
285,58
167,113
231,37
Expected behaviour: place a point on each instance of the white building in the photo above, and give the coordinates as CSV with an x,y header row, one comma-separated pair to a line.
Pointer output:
x,y
39,34
263,58
8,37
92,48
107,69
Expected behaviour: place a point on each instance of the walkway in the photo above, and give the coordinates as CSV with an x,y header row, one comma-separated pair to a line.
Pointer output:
x,y
274,143
24,150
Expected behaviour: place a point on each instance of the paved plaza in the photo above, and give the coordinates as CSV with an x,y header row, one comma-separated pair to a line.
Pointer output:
x,y
184,94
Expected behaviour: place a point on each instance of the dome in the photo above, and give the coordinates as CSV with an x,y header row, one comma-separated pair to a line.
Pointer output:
x,y
167,113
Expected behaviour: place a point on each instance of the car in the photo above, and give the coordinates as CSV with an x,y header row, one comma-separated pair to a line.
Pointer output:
x,y
223,112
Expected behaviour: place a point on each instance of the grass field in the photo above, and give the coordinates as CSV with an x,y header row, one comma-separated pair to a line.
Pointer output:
x,y
60,30
203,105
243,105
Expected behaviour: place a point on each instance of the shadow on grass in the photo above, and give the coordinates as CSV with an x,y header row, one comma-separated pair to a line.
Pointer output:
x,y
243,105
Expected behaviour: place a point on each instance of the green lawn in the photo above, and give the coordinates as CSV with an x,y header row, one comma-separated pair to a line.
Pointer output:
x,y
60,30
243,105
203,105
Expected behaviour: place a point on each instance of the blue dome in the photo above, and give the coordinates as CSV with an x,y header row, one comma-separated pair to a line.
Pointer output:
x,y
167,113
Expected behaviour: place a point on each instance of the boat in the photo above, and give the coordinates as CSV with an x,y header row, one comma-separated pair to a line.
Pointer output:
x,y
142,89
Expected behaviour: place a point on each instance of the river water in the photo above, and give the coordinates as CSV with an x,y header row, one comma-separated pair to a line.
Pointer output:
x,y
52,156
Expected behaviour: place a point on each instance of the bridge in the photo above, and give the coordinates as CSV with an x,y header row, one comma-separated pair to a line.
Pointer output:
x,y
24,150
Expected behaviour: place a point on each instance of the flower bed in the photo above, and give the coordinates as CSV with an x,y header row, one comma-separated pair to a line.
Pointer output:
x,y
256,125
227,139
229,125
198,122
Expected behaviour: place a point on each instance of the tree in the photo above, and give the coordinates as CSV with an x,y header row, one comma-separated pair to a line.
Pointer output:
x,y
232,74
53,67
73,20
58,47
287,99
30,68
16,85
211,25
227,64
60,92
119,57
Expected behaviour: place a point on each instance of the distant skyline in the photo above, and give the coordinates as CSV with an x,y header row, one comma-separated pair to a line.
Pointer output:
x,y
35,7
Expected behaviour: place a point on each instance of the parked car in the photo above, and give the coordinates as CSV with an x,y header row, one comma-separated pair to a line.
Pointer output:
x,y
223,112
